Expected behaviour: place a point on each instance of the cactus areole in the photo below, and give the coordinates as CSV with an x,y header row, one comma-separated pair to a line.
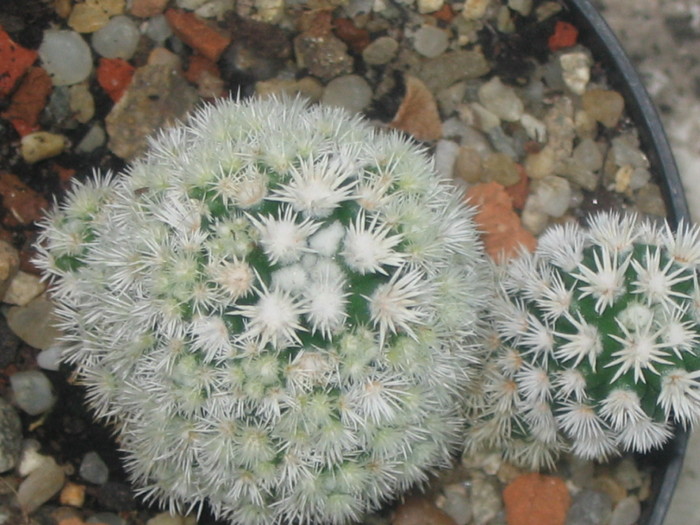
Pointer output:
x,y
275,309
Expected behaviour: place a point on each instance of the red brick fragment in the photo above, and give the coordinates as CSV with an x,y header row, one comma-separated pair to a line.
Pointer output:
x,y
356,39
565,35
536,499
114,76
198,34
29,100
22,204
502,232
445,13
15,60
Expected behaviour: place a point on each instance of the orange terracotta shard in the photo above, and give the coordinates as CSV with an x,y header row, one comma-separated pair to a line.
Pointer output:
x,y
502,232
15,60
29,100
418,113
535,499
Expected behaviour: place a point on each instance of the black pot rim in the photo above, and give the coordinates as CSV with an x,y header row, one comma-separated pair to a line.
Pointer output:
x,y
597,36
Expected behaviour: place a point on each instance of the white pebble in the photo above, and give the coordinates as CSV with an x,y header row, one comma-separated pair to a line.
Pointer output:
x,y
65,56
534,127
446,152
30,459
49,359
576,71
351,92
158,29
501,100
430,41
33,391
554,195
118,39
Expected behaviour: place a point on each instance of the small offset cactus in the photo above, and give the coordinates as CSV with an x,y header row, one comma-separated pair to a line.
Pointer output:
x,y
596,343
275,308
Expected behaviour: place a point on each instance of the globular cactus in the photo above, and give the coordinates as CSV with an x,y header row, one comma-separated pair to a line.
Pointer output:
x,y
275,308
596,343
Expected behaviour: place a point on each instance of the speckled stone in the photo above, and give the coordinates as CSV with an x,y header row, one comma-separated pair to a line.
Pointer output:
x,y
10,436
157,96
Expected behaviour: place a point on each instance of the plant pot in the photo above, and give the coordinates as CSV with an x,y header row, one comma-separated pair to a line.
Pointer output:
x,y
600,39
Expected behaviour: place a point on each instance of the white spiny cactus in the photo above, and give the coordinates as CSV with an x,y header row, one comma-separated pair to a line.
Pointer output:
x,y
275,307
600,343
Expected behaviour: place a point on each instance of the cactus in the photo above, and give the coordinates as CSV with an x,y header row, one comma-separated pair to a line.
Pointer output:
x,y
275,308
595,347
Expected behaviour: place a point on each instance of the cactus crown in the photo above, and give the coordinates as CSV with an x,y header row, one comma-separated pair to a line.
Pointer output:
x,y
600,342
275,307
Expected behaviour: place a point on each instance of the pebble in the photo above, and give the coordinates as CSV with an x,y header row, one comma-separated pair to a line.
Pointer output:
x,y
351,92
380,51
553,194
650,200
486,500
72,494
534,127
627,152
118,39
588,155
81,102
501,100
626,512
604,105
452,66
420,511
325,56
456,502
589,507
158,29
49,359
501,168
93,139
430,41
42,145
33,323
9,265
23,288
156,96
30,458
93,469
468,165
445,155
475,9
307,87
627,474
33,392
65,56
524,7
10,436
429,6
576,71
40,486
147,8
87,17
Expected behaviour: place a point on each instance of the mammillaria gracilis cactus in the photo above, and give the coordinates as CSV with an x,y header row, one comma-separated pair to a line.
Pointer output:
x,y
600,343
275,309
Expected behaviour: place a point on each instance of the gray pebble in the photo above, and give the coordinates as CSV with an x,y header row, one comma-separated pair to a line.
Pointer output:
x,y
106,518
33,323
380,51
32,391
351,92
118,39
93,469
589,507
626,512
430,41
